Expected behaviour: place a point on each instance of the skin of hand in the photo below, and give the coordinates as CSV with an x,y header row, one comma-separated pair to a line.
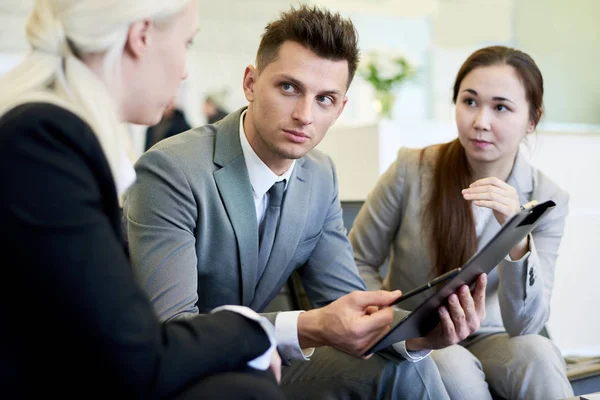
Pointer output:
x,y
352,323
275,366
502,199
461,318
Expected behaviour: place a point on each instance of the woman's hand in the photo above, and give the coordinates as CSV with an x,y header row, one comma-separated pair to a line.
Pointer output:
x,y
503,200
460,318
496,195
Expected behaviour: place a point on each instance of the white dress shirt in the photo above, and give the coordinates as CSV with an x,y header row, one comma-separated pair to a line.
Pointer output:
x,y
262,362
286,323
261,179
482,216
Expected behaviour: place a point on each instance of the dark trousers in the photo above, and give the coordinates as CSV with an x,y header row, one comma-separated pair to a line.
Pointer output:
x,y
235,385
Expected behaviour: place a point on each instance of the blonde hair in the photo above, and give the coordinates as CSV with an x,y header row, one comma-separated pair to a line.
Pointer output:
x,y
59,31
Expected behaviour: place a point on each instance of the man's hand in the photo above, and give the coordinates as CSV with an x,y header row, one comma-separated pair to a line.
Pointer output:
x,y
352,323
462,317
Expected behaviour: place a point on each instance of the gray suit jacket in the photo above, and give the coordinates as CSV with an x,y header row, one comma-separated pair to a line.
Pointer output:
x,y
193,233
390,225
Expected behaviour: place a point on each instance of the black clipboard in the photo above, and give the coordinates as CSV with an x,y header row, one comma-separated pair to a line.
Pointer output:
x,y
425,317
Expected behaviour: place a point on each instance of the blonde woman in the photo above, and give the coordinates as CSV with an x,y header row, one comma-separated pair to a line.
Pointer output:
x,y
75,323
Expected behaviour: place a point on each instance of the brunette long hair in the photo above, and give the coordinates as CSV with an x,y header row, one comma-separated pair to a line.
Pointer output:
x,y
447,217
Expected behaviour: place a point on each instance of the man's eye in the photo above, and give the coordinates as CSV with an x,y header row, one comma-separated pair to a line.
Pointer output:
x,y
287,87
326,100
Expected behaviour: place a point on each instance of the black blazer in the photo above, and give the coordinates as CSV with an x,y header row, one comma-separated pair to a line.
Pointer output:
x,y
73,317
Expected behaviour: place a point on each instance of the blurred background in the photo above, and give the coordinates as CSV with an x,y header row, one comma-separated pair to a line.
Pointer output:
x,y
436,36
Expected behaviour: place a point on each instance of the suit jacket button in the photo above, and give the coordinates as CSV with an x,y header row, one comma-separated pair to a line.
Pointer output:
x,y
531,281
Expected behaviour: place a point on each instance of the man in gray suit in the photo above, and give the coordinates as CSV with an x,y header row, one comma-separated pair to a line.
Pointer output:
x,y
223,214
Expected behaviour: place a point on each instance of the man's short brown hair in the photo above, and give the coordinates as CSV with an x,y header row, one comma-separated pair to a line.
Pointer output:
x,y
326,34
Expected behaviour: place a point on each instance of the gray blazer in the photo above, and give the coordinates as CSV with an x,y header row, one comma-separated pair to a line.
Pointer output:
x,y
193,233
390,225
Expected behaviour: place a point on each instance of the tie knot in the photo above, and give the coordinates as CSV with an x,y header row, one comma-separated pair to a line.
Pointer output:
x,y
276,194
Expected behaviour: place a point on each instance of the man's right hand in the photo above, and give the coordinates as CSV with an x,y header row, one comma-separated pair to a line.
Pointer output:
x,y
352,323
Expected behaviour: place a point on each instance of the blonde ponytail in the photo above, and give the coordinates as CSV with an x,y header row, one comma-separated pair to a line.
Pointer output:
x,y
60,30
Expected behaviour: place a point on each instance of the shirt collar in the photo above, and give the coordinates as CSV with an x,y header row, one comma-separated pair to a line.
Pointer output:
x,y
261,176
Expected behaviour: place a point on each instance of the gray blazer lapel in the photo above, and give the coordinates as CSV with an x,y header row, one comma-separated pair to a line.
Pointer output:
x,y
520,178
292,220
236,193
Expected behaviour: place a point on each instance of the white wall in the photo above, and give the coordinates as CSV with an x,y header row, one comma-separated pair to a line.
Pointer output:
x,y
565,46
571,160
437,34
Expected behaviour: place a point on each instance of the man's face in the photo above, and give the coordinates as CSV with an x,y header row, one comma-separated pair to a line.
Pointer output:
x,y
292,103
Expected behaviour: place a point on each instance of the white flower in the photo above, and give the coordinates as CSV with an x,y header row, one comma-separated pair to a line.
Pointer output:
x,y
385,69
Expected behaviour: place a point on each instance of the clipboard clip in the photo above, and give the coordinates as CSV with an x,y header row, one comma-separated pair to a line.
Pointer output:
x,y
529,205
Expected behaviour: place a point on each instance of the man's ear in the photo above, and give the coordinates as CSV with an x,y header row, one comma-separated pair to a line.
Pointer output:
x,y
138,38
342,107
250,76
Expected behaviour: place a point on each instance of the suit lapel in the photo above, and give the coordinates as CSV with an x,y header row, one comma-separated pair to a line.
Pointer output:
x,y
294,215
520,178
234,186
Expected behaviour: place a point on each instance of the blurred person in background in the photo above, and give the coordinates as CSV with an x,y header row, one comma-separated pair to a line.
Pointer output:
x,y
213,108
173,122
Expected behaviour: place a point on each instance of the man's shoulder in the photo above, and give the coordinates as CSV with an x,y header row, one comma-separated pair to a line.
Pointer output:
x,y
199,143
190,141
194,147
317,160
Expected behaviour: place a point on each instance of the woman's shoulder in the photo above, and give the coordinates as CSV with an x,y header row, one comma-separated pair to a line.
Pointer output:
x,y
45,121
531,179
544,186
41,114
417,159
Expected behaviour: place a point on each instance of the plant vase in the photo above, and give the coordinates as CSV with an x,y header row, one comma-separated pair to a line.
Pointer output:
x,y
384,103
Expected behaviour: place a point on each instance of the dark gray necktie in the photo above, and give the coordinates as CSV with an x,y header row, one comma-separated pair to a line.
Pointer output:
x,y
268,228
